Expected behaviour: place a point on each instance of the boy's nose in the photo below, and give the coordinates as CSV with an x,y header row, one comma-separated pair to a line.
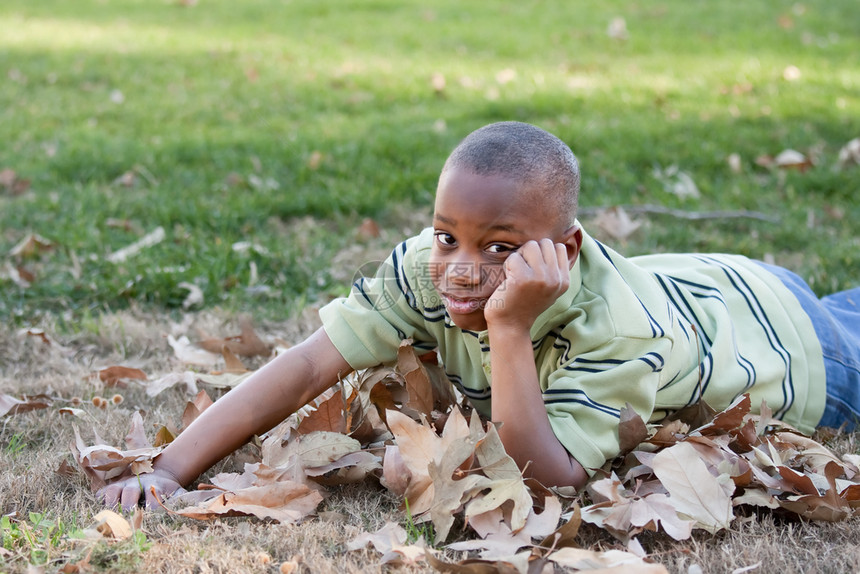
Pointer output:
x,y
463,273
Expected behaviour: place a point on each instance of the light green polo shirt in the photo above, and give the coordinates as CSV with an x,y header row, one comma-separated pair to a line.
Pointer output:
x,y
658,332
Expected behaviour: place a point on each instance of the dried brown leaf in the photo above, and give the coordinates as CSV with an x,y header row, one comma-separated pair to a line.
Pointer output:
x,y
117,376
187,378
449,487
10,181
500,541
417,382
188,353
631,429
285,502
696,415
566,534
12,406
395,474
232,363
850,153
320,448
136,437
693,490
506,481
31,246
729,419
670,433
195,407
616,223
512,565
328,416
609,561
247,343
111,525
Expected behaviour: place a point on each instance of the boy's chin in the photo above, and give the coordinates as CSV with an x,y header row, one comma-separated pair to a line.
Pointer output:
x,y
472,322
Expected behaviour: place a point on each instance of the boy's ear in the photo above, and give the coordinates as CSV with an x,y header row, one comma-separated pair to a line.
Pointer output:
x,y
572,238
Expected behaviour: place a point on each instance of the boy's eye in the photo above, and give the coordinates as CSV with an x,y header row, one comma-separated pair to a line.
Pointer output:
x,y
499,248
445,239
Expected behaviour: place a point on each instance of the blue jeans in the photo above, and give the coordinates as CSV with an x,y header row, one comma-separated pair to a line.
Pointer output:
x,y
836,320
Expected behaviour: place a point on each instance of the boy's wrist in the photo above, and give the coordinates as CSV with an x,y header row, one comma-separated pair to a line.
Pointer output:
x,y
512,331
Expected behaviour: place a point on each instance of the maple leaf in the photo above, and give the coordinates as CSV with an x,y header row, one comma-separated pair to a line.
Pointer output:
x,y
506,481
283,501
328,416
417,382
625,514
11,405
608,561
390,541
419,445
448,491
186,352
395,474
195,407
500,541
116,376
849,154
616,223
247,343
101,462
109,524
829,506
814,455
693,490
188,378
631,429
729,419
321,448
31,246
565,535
327,457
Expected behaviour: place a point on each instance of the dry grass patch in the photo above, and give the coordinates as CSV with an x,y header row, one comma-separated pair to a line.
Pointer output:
x,y
34,444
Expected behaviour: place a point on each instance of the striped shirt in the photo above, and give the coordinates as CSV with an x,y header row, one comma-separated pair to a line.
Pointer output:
x,y
659,332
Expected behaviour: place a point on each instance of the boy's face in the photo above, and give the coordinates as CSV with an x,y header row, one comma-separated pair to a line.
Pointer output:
x,y
478,222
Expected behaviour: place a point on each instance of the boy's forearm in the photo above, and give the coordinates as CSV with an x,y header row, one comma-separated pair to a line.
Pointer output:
x,y
256,405
518,405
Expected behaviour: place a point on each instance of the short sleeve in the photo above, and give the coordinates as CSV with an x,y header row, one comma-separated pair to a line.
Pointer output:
x,y
381,311
585,395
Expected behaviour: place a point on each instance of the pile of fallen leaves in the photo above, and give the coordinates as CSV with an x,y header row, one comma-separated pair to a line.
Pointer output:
x,y
403,426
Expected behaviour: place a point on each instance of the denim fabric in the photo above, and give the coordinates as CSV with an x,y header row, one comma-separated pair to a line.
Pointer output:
x,y
836,319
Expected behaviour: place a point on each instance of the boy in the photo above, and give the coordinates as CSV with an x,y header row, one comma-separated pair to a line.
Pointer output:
x,y
513,292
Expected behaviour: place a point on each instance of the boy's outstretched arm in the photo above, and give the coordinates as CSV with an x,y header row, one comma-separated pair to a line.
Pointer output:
x,y
258,404
535,277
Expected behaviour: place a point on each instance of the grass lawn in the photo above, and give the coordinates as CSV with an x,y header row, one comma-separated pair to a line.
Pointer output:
x,y
223,123
258,135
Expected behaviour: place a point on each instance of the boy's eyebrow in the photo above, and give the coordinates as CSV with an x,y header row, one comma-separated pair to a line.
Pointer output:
x,y
505,227
508,227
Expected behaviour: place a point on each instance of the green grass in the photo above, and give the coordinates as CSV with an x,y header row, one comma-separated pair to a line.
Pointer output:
x,y
218,109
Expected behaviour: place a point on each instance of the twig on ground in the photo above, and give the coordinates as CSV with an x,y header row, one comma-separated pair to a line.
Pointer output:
x,y
681,214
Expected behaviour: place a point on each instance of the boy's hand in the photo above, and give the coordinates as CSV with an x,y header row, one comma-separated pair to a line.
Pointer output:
x,y
536,275
130,490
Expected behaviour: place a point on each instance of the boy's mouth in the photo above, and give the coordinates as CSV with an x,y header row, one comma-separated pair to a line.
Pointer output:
x,y
463,305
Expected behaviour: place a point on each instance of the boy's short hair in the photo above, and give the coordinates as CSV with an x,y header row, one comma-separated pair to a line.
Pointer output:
x,y
527,154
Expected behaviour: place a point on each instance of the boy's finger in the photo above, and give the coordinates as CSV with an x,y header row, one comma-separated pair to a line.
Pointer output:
x,y
109,495
152,500
130,496
529,250
515,264
561,257
547,248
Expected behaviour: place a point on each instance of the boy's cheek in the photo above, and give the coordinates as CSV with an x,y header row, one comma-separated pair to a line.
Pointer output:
x,y
435,273
493,276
